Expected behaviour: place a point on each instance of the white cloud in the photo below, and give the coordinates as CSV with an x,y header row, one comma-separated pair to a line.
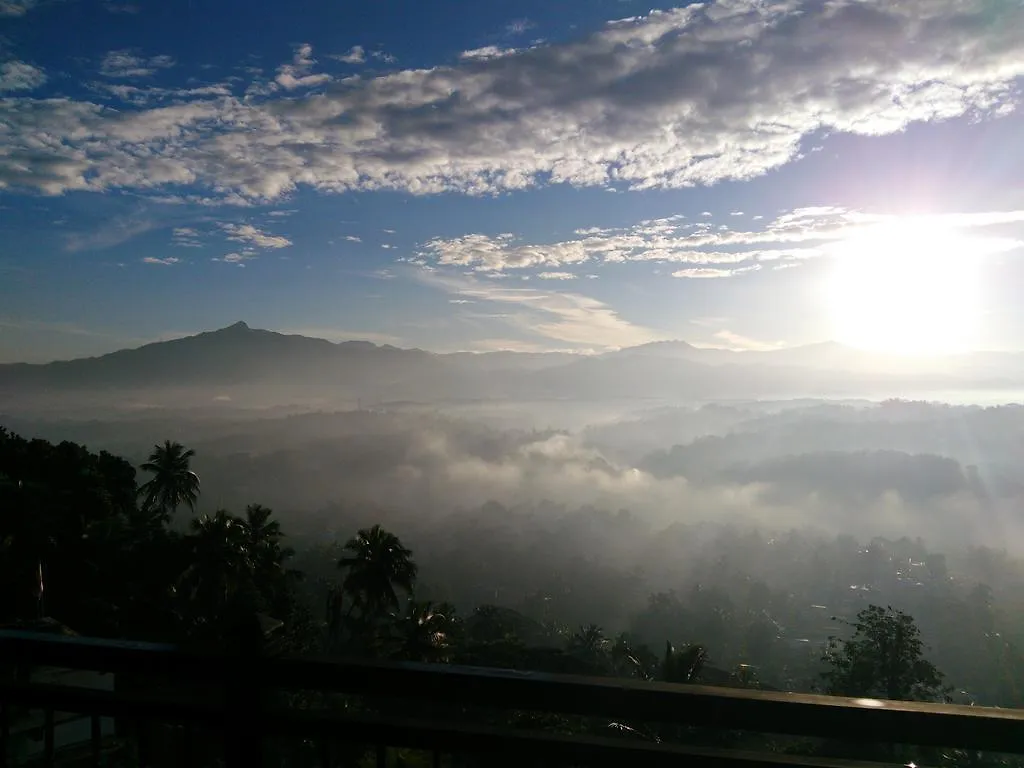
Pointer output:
x,y
166,262
298,74
564,317
353,238
237,258
355,55
713,272
247,233
695,95
387,58
792,238
19,76
186,237
487,52
556,276
128,63
148,95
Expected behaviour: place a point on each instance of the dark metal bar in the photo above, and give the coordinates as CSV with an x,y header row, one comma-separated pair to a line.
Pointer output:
x,y
978,728
5,732
325,753
48,745
382,755
437,758
529,745
95,739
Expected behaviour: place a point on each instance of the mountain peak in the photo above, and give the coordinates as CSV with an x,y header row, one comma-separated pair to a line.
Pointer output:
x,y
241,325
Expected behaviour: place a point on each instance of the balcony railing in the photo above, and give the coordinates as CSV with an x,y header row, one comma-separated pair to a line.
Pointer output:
x,y
251,702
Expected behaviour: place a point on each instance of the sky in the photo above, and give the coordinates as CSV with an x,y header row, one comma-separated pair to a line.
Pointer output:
x,y
582,175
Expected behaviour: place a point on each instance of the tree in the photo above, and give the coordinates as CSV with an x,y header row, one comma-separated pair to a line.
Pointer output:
x,y
377,566
883,659
424,632
173,482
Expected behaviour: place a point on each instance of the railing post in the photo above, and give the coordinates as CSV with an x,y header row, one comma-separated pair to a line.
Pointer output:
x,y
243,695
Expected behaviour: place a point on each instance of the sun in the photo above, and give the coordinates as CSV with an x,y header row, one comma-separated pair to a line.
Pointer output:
x,y
907,288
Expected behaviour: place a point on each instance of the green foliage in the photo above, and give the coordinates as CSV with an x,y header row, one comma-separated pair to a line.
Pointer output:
x,y
884,659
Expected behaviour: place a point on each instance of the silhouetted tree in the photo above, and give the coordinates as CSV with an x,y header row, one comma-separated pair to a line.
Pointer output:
x,y
884,659
173,482
377,566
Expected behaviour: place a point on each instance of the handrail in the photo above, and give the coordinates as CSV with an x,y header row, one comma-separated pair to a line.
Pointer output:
x,y
862,720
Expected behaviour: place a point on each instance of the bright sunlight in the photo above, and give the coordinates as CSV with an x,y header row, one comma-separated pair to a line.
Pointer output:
x,y
907,288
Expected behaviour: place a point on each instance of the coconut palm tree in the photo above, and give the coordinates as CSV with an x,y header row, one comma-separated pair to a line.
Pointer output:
x,y
173,482
378,565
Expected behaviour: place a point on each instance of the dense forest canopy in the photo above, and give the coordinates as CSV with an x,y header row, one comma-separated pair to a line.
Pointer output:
x,y
532,585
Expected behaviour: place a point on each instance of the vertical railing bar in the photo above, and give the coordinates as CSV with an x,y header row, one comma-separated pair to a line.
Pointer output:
x,y
48,745
325,752
382,756
187,745
5,732
95,736
437,758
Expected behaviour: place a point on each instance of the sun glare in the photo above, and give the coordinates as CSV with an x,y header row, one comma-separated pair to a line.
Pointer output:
x,y
907,289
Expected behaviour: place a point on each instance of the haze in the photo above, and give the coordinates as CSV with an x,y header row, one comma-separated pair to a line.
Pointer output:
x,y
701,324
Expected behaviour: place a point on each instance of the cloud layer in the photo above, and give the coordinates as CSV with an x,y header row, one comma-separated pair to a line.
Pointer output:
x,y
716,250
688,96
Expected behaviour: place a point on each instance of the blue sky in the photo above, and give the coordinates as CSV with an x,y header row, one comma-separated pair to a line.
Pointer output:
x,y
512,175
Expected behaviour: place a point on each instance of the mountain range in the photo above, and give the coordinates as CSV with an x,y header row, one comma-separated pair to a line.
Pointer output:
x,y
239,358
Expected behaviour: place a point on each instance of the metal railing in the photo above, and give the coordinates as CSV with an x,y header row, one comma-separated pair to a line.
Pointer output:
x,y
250,700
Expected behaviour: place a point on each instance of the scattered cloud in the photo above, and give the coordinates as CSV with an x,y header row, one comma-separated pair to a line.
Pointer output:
x,y
282,213
128,63
19,76
16,7
713,272
388,246
113,232
247,233
556,276
461,301
792,238
298,73
186,237
569,318
148,95
487,52
688,96
127,8
518,26
387,58
388,231
353,238
355,55
238,258
165,262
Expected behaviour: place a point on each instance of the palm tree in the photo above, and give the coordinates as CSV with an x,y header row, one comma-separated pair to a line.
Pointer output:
x,y
262,540
377,565
173,482
220,569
